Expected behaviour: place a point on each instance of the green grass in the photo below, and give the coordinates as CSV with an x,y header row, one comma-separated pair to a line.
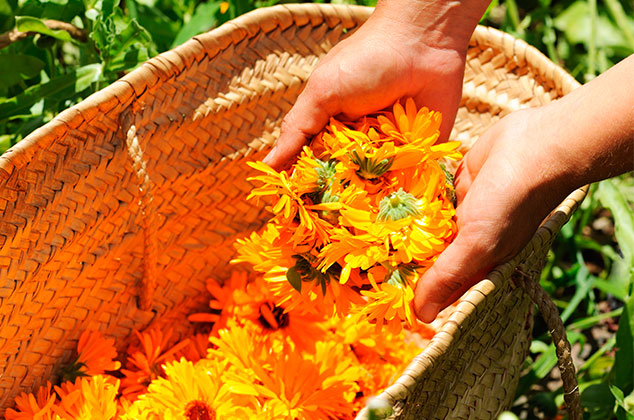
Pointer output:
x,y
589,271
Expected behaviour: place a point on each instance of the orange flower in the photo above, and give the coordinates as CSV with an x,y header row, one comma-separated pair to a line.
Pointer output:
x,y
293,385
29,406
144,363
293,203
256,304
381,356
95,355
222,303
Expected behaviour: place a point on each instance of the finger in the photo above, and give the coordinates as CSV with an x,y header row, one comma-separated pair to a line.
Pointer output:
x,y
314,107
458,268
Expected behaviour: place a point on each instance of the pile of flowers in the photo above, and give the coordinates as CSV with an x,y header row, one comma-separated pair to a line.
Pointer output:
x,y
256,361
364,212
362,215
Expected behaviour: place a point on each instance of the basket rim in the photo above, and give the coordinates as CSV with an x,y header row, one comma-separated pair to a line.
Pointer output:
x,y
171,63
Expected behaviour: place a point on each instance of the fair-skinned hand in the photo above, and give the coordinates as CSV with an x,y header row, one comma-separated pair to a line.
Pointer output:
x,y
505,187
370,71
521,169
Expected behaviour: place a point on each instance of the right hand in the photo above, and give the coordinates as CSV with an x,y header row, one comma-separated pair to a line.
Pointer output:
x,y
383,61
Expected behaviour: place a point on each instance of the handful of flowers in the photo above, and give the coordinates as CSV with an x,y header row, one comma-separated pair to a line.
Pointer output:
x,y
360,217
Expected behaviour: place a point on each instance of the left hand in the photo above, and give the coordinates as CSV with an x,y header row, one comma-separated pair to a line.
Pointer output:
x,y
506,185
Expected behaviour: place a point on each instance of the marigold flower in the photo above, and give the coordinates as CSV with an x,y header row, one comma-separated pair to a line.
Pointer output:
x,y
190,392
294,384
30,406
88,398
95,355
144,363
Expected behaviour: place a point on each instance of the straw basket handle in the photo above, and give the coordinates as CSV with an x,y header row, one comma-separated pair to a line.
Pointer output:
x,y
528,282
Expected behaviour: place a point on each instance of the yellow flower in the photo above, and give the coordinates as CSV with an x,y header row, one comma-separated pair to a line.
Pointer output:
x,y
418,127
389,303
416,220
382,357
266,251
88,399
190,392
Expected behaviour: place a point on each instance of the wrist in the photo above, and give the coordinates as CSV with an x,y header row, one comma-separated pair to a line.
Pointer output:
x,y
440,24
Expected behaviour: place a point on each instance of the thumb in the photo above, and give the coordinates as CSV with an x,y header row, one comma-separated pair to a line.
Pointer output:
x,y
460,266
307,117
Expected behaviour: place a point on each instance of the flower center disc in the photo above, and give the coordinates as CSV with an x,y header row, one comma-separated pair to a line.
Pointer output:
x,y
198,410
272,317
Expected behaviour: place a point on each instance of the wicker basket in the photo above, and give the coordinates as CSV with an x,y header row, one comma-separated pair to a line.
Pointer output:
x,y
115,213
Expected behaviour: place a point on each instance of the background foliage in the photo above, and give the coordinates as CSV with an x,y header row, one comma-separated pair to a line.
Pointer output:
x,y
46,67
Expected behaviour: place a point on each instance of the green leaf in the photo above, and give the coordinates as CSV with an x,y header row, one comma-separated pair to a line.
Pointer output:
x,y
613,288
78,80
613,195
107,7
128,59
598,399
623,371
294,279
17,67
64,10
626,25
575,23
202,20
618,394
6,16
584,282
33,24
5,142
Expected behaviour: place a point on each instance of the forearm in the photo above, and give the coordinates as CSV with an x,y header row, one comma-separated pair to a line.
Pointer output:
x,y
594,127
437,23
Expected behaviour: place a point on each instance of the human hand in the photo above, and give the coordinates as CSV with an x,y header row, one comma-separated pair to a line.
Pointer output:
x,y
385,60
505,186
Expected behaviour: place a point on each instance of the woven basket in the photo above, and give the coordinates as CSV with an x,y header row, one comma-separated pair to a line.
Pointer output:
x,y
115,213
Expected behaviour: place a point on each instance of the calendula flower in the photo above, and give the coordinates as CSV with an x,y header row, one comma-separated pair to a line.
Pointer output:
x,y
256,305
416,220
190,392
373,195
294,207
420,127
222,303
390,303
145,359
95,355
30,406
266,251
294,385
88,398
381,356
196,349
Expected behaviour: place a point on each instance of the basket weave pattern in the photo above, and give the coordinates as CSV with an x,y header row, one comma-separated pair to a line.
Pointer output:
x,y
114,214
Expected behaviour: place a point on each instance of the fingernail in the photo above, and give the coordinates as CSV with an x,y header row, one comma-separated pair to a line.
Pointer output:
x,y
268,158
428,312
